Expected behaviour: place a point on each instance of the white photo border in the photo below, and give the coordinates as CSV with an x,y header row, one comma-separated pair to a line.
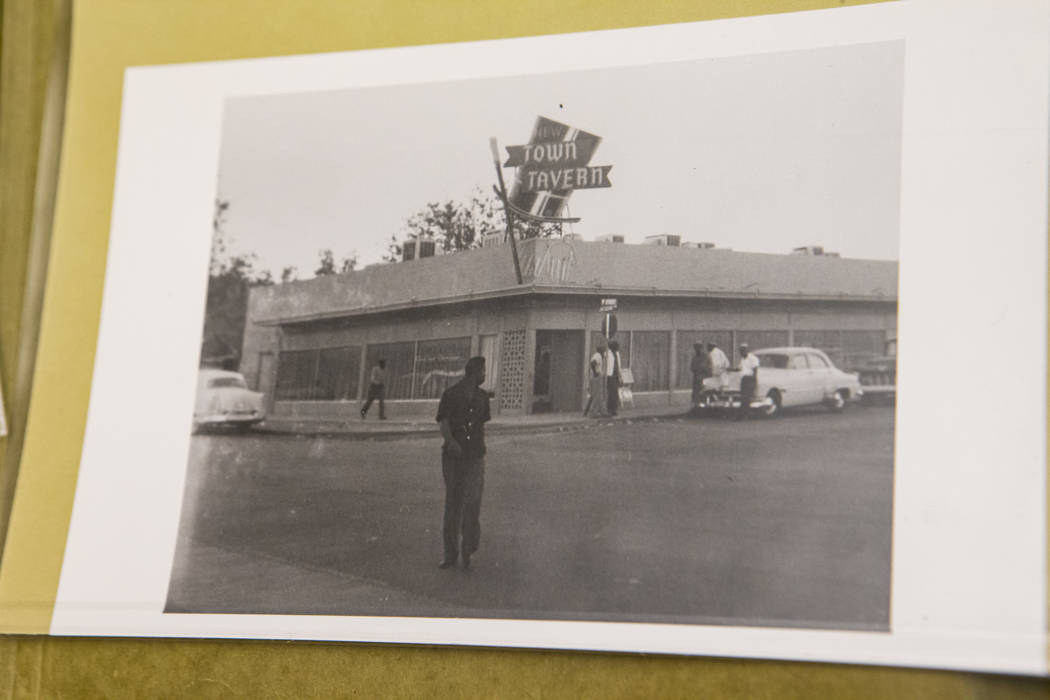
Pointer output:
x,y
969,553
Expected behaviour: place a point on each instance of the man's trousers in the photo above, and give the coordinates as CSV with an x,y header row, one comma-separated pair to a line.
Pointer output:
x,y
464,481
612,394
747,392
375,391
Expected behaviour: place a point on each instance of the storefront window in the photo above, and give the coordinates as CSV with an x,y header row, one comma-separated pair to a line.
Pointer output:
x,y
828,341
318,375
295,374
622,337
651,360
756,340
439,365
338,373
684,351
400,365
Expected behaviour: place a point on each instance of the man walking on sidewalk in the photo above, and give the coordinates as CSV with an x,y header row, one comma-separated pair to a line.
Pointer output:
x,y
462,414
376,390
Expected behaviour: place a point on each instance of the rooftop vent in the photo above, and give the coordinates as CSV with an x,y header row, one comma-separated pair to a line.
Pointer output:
x,y
666,239
609,238
492,238
418,248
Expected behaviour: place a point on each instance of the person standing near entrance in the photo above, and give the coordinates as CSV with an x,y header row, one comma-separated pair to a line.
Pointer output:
x,y
719,364
462,414
376,390
595,379
613,377
748,366
700,366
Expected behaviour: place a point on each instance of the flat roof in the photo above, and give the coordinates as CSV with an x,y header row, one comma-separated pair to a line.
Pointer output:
x,y
559,266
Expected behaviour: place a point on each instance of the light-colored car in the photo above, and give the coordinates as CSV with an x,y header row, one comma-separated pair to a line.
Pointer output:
x,y
223,399
787,377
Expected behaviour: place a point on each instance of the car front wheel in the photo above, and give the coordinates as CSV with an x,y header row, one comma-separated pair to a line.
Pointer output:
x,y
773,408
837,402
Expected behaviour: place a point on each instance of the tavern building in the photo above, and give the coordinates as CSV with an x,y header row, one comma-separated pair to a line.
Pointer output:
x,y
310,344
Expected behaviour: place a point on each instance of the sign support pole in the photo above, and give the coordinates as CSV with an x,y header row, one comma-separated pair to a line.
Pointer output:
x,y
506,208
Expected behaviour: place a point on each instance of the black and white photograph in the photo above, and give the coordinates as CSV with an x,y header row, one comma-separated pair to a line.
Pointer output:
x,y
615,344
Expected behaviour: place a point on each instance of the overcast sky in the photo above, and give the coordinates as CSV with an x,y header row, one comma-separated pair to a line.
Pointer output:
x,y
759,153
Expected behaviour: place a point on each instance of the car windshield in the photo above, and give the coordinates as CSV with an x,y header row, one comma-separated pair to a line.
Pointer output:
x,y
232,382
774,360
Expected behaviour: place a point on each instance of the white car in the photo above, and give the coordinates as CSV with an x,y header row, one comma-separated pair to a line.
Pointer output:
x,y
787,377
223,399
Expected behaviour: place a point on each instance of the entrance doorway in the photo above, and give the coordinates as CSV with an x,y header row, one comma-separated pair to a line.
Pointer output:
x,y
557,385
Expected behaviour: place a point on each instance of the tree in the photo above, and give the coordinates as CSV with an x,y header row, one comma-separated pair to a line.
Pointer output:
x,y
229,281
457,226
328,265
218,234
289,274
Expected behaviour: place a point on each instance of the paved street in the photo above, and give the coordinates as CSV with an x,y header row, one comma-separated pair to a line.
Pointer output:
x,y
782,522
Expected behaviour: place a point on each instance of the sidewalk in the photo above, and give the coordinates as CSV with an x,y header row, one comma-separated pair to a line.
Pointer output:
x,y
418,425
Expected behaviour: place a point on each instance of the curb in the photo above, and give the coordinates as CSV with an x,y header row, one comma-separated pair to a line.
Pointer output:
x,y
491,429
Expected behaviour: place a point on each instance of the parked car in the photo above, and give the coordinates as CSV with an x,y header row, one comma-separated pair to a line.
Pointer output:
x,y
787,377
223,399
878,375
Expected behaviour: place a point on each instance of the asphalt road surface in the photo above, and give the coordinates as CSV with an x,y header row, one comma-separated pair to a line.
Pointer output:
x,y
783,522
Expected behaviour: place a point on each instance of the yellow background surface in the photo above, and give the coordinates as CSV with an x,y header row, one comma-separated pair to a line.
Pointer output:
x,y
108,36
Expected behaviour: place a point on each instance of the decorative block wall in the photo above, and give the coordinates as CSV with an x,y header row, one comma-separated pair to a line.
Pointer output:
x,y
513,370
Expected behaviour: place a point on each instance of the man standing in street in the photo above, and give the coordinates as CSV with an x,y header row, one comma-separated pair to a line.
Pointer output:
x,y
462,414
748,366
700,366
613,378
376,390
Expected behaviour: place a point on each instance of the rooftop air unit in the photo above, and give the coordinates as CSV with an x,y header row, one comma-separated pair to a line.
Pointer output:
x,y
808,250
418,248
702,245
492,238
609,238
666,239
571,237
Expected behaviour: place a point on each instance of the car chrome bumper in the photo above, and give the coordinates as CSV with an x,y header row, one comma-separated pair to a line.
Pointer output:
x,y
729,401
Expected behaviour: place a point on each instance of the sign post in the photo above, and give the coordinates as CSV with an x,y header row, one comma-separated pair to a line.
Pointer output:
x,y
597,406
506,209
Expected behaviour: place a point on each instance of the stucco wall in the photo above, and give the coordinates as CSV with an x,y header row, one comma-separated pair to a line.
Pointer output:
x,y
548,312
566,266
